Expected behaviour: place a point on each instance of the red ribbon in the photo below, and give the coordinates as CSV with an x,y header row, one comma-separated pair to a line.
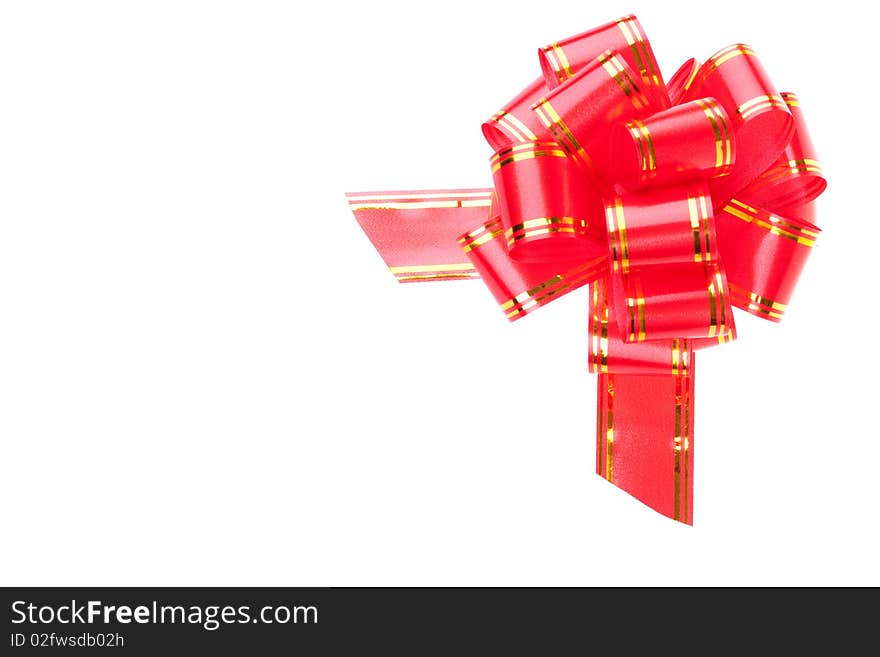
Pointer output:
x,y
675,201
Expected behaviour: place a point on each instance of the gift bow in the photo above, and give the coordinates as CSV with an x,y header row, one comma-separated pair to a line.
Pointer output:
x,y
674,201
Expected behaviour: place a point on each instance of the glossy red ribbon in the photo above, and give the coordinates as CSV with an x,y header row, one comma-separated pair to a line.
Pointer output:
x,y
674,201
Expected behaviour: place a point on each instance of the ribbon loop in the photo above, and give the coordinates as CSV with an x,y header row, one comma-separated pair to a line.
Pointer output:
x,y
796,176
515,123
546,206
668,225
563,59
686,142
610,353
681,81
759,115
519,287
764,254
681,302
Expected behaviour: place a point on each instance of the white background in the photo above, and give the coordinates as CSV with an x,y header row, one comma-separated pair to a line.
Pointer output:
x,y
208,377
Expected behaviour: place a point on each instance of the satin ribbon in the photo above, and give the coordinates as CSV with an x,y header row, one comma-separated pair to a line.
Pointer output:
x,y
676,201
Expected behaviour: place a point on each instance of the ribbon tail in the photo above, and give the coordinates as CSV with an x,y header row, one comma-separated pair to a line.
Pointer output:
x,y
645,439
416,232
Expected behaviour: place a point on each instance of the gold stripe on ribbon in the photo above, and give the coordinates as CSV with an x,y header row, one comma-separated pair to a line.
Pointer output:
x,y
723,142
722,302
727,54
513,126
812,165
525,301
704,217
790,168
434,272
609,429
500,118
426,200
686,437
639,47
790,99
713,309
599,347
616,221
618,73
439,277
564,136
770,222
354,198
543,226
717,305
730,335
482,235
555,64
758,104
605,428
526,151
698,212
681,448
636,306
563,59
422,205
559,61
522,127
757,304
599,414
693,76
680,357
677,447
645,142
410,269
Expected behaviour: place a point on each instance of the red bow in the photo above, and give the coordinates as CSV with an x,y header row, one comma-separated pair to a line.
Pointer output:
x,y
676,201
